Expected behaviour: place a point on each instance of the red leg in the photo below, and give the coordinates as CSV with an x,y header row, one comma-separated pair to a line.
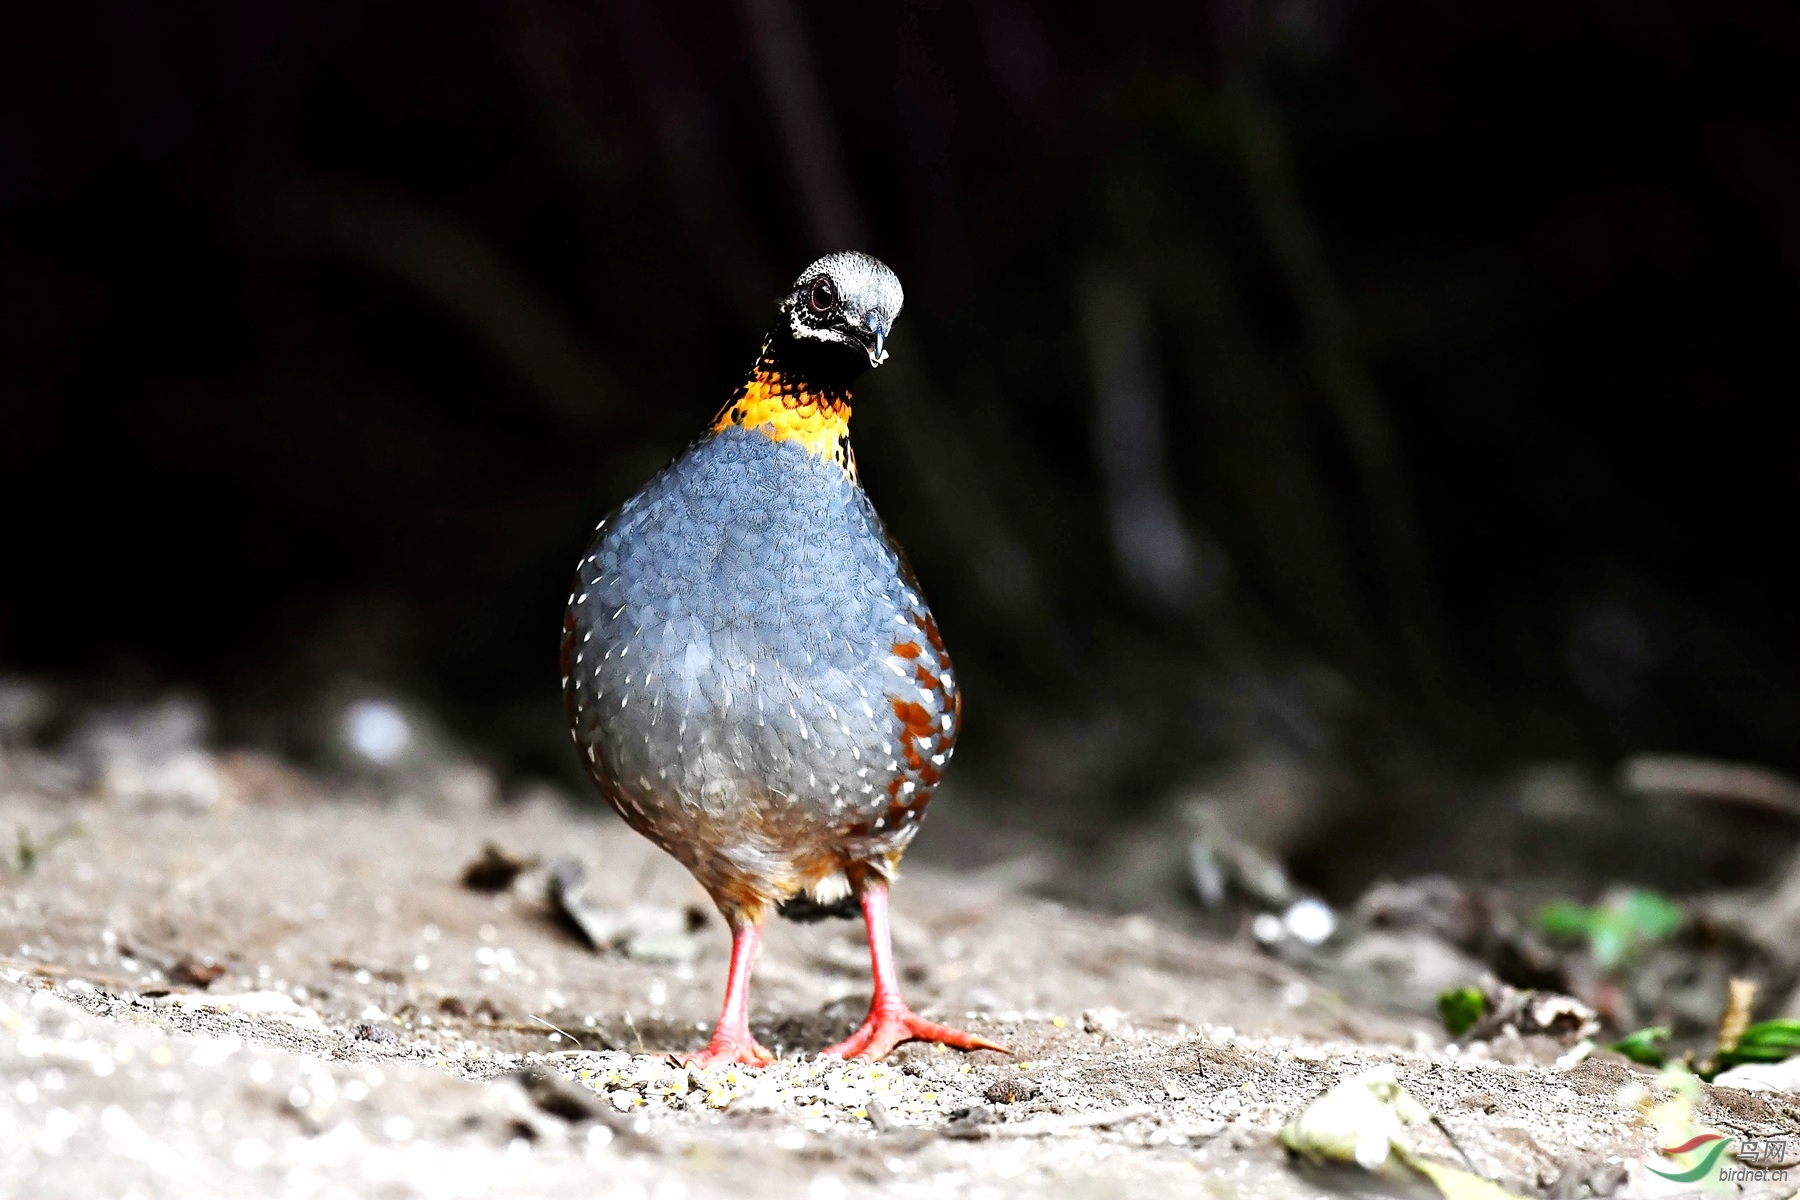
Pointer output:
x,y
890,1022
731,1041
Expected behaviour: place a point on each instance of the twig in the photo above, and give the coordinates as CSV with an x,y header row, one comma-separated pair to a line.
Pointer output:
x,y
791,77
1701,778
1160,556
1458,1146
452,265
1343,379
558,1029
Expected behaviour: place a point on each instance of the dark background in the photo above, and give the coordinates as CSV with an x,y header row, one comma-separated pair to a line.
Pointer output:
x,y
1401,393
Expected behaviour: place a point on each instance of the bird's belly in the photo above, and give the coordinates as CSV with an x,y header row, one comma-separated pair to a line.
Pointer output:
x,y
748,683
719,722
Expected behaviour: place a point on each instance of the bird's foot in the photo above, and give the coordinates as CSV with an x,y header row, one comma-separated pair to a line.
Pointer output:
x,y
724,1050
889,1025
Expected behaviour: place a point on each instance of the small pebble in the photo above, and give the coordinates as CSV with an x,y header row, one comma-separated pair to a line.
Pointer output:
x,y
1012,1090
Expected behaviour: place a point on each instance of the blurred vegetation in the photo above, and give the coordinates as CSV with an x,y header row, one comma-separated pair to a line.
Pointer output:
x,y
1462,1007
1616,930
1399,393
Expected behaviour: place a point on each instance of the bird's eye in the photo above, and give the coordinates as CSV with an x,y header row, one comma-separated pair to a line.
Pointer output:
x,y
822,296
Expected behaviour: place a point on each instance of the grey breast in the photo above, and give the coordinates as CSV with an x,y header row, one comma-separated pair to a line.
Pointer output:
x,y
734,625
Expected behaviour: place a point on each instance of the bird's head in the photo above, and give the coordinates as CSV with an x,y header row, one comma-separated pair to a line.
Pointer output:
x,y
845,304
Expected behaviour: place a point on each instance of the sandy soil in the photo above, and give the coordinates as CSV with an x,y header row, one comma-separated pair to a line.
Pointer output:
x,y
372,1027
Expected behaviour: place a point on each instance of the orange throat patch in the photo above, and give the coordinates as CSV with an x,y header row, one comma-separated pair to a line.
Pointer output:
x,y
784,409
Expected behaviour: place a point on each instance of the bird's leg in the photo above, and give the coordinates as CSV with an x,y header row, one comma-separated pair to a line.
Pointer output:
x,y
890,1022
731,1041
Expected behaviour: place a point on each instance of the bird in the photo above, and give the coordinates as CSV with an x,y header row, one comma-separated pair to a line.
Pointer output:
x,y
751,673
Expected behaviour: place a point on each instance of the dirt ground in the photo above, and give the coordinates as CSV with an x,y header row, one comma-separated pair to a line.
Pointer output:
x,y
292,993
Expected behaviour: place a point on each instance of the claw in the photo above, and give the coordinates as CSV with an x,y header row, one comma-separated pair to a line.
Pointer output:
x,y
888,1028
722,1051
890,1022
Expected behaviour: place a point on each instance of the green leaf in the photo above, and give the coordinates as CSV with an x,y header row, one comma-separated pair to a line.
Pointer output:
x,y
1640,1045
1461,1008
1773,1033
1617,930
1765,1041
1612,938
1651,915
1566,919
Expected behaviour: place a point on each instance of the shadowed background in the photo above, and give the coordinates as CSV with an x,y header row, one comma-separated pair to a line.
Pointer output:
x,y
1374,417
